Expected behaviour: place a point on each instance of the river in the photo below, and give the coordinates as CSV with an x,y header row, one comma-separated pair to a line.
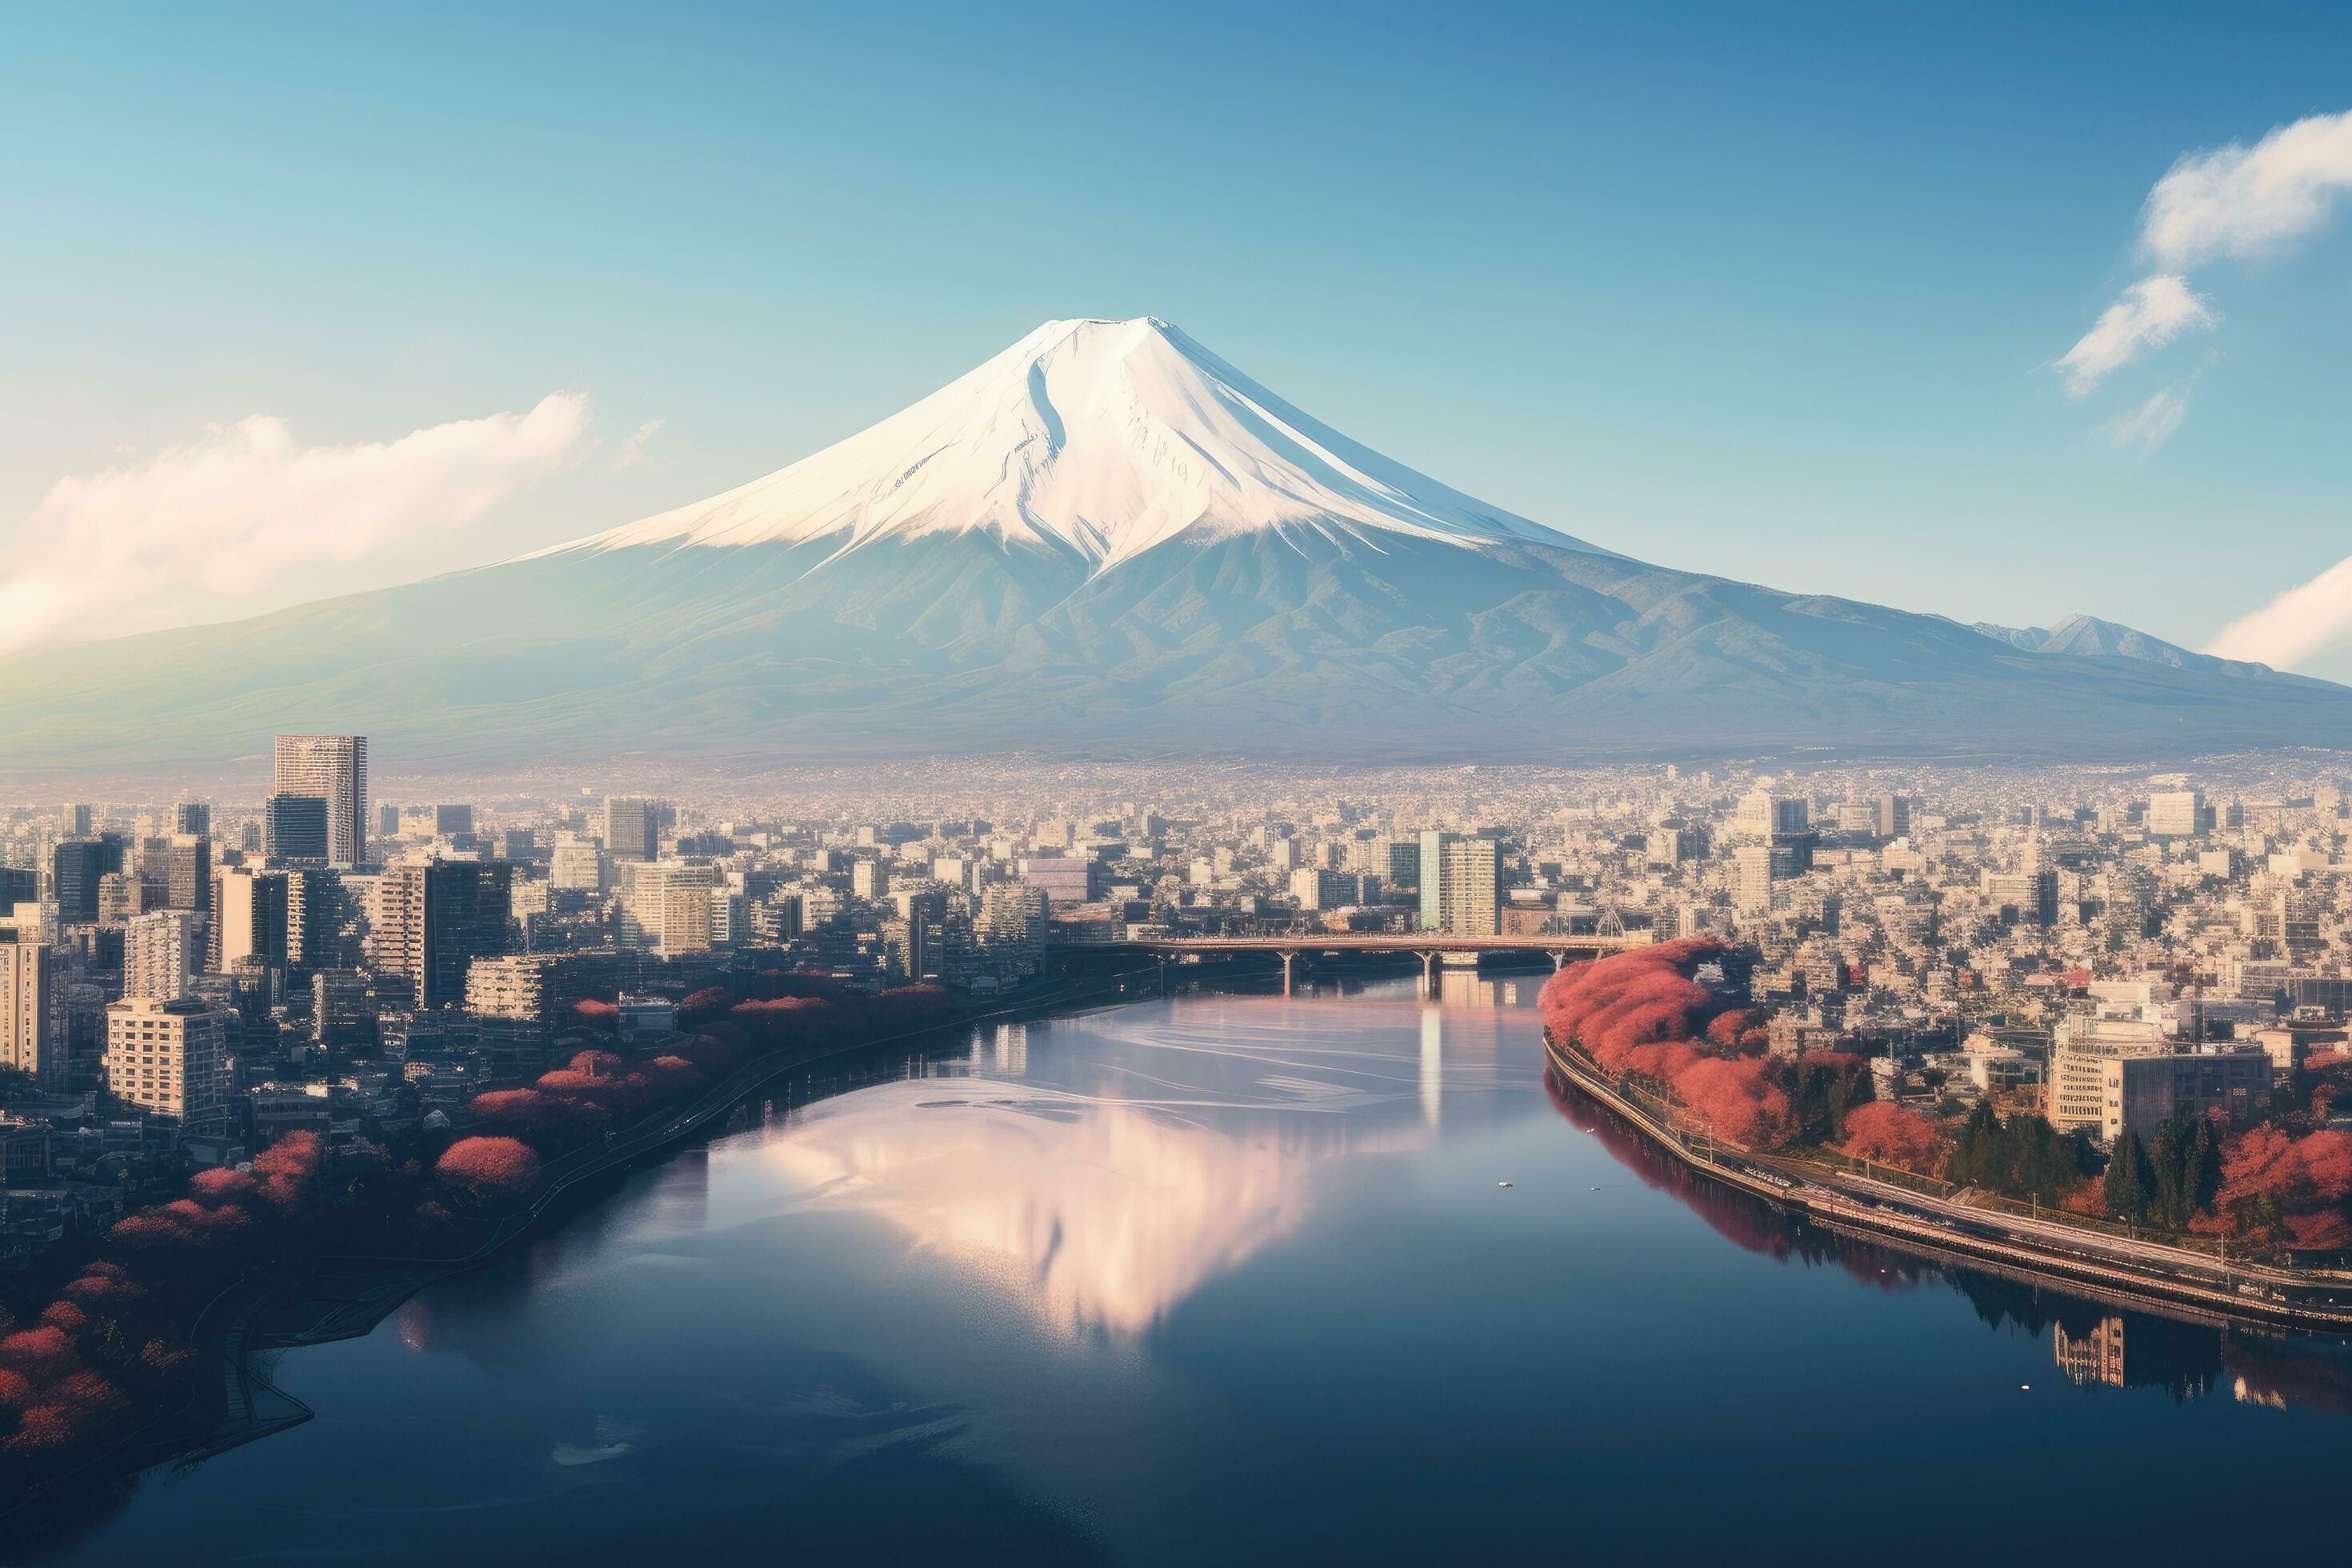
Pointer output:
x,y
1225,1278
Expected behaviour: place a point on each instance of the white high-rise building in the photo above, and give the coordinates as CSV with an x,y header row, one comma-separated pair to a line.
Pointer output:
x,y
170,1059
160,952
25,1042
1461,884
2176,813
333,768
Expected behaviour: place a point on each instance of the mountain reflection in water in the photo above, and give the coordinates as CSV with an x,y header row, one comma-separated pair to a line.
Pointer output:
x,y
1214,1277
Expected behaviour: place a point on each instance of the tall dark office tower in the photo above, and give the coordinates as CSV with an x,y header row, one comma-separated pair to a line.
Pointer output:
x,y
442,916
18,885
452,819
75,869
294,828
188,873
192,816
632,828
335,769
76,817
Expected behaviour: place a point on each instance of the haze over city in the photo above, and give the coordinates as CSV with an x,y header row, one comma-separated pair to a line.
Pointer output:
x,y
1316,783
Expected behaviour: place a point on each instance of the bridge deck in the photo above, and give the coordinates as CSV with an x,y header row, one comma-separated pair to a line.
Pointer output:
x,y
1382,942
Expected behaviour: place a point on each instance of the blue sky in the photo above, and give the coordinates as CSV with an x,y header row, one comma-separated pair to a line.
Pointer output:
x,y
1770,291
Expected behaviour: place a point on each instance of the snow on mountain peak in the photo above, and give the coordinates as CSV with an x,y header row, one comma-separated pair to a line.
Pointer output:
x,y
1099,437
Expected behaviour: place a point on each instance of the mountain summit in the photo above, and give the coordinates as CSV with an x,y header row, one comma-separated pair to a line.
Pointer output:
x,y
1100,438
1109,542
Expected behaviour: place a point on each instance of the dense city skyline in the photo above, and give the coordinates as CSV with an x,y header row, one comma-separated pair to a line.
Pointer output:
x,y
1260,784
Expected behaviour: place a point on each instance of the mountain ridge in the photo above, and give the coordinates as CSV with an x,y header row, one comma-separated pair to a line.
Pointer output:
x,y
1191,566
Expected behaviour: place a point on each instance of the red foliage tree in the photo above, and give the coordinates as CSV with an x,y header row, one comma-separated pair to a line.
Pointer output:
x,y
39,1353
1893,1135
535,1114
111,1289
669,1078
45,1426
15,1389
224,1184
488,1170
65,1317
2301,1183
288,1169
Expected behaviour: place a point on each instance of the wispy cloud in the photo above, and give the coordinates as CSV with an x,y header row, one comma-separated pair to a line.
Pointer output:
x,y
2152,424
2240,201
632,453
2231,201
2305,620
244,517
2152,313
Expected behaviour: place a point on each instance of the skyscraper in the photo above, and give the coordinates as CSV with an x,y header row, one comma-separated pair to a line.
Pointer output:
x,y
1461,884
335,769
160,951
632,828
25,1042
295,830
437,919
250,909
76,866
192,816
186,866
76,817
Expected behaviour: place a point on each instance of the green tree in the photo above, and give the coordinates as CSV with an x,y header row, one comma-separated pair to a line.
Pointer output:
x,y
2130,1180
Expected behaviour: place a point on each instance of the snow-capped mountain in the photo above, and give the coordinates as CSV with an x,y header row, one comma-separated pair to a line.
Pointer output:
x,y
1109,542
1100,438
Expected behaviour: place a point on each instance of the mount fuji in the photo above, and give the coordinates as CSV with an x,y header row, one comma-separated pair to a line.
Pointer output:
x,y
1106,541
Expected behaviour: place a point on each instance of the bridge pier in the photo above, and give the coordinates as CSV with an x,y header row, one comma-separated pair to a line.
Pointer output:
x,y
1428,976
1559,961
1288,955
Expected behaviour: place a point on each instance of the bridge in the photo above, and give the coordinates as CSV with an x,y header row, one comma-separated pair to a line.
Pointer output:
x,y
1428,946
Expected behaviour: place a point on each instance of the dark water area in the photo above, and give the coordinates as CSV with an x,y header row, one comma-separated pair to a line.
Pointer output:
x,y
1234,1279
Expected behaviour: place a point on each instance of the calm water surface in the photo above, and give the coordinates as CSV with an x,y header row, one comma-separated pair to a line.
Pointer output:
x,y
1233,1280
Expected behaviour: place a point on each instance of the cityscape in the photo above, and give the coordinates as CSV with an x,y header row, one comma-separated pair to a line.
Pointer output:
x,y
1095,969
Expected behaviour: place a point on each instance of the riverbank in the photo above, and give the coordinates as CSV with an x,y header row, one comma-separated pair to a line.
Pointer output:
x,y
2132,1271
320,1296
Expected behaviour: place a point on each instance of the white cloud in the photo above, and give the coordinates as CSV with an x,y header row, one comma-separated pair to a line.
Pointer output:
x,y
2240,201
246,517
2303,621
2152,313
2234,201
2152,424
633,454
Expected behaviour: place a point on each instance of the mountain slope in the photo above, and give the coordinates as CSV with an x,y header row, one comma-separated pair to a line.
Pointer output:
x,y
1113,543
1098,439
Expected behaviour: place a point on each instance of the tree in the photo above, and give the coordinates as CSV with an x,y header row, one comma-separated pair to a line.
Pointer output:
x,y
488,1170
1891,1135
2131,1180
2021,1157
